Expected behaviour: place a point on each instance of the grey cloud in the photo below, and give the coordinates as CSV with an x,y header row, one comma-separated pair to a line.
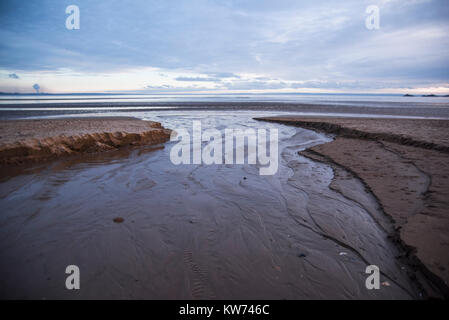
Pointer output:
x,y
223,75
200,79
164,86
36,87
173,89
254,85
292,40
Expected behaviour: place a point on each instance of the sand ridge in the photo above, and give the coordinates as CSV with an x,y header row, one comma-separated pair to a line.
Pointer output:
x,y
23,141
404,163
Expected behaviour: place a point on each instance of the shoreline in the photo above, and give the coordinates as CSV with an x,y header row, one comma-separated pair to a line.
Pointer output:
x,y
28,141
403,164
342,108
404,147
287,226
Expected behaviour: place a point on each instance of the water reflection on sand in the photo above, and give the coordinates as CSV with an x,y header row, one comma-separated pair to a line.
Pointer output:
x,y
191,231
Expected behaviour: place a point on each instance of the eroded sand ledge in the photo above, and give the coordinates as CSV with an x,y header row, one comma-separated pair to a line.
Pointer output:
x,y
405,164
24,141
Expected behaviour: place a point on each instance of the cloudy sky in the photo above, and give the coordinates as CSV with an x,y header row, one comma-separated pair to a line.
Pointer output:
x,y
225,46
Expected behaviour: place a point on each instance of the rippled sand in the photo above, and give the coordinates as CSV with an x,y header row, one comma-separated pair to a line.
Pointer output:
x,y
404,163
196,231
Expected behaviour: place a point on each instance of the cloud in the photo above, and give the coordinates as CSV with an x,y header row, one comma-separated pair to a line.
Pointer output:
x,y
223,75
227,43
13,76
164,86
197,79
173,89
36,87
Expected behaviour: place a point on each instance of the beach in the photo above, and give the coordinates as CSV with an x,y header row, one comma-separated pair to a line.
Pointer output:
x,y
139,226
25,141
225,150
404,164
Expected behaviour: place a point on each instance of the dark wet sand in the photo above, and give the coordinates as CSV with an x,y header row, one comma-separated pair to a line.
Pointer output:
x,y
405,164
195,232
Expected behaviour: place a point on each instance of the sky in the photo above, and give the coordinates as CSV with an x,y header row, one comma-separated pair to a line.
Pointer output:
x,y
146,46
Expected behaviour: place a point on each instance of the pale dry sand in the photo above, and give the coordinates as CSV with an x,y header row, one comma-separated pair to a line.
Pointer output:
x,y
24,141
405,164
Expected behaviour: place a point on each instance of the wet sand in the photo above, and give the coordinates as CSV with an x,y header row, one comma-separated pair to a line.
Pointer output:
x,y
196,231
24,141
405,165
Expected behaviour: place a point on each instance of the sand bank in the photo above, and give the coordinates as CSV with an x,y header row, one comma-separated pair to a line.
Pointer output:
x,y
23,141
405,164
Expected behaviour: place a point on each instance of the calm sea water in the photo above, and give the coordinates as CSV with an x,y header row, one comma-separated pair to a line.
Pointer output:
x,y
353,99
45,105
